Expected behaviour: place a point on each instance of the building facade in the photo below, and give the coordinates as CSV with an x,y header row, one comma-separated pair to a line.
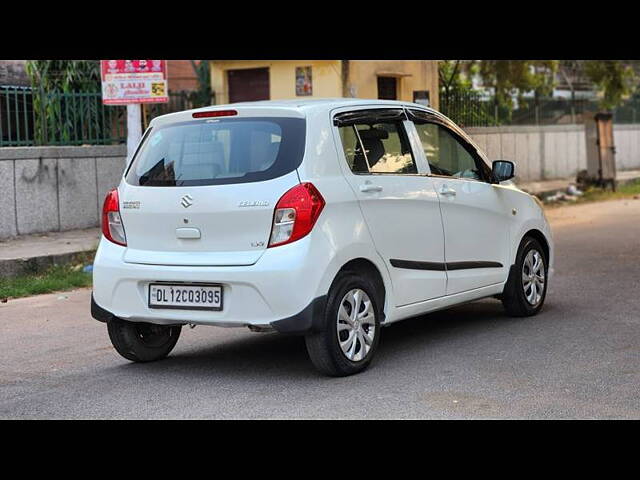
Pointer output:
x,y
250,80
181,76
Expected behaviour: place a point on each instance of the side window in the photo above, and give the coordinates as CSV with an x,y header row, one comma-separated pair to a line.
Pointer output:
x,y
350,144
381,147
445,154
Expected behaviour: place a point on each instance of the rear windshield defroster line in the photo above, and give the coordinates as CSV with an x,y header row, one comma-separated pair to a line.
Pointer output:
x,y
218,152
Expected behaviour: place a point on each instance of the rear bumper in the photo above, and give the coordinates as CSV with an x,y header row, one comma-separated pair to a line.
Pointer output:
x,y
281,290
99,313
308,320
311,319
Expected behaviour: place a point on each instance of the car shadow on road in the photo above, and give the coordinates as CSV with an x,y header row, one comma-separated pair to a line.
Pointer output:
x,y
271,355
445,325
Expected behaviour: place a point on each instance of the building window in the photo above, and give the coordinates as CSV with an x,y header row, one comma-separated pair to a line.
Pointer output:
x,y
421,97
387,88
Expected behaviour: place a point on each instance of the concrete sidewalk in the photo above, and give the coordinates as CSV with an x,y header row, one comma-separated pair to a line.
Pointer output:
x,y
33,253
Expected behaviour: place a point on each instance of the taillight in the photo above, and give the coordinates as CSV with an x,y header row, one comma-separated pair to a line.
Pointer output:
x,y
296,214
112,227
215,113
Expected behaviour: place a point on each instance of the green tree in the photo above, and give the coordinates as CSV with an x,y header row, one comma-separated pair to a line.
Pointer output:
x,y
509,78
615,80
454,76
458,100
64,76
52,82
202,97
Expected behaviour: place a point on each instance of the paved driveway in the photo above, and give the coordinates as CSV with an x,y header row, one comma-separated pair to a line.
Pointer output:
x,y
578,359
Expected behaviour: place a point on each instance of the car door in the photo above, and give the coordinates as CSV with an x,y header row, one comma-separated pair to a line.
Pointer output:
x,y
475,214
398,202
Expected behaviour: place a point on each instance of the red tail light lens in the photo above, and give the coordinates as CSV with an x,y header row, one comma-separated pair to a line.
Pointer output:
x,y
215,113
112,227
296,214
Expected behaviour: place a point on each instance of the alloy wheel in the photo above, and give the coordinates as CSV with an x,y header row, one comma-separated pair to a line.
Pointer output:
x,y
533,277
356,325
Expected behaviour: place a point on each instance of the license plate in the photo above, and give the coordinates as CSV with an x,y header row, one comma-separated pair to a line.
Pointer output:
x,y
185,296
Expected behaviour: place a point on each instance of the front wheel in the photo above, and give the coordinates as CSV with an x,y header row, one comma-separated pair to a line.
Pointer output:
x,y
351,328
142,342
526,287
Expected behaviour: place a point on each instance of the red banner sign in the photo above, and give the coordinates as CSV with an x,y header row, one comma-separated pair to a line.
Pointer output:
x,y
134,81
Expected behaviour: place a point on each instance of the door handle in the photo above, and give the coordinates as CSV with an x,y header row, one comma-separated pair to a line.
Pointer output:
x,y
366,188
444,190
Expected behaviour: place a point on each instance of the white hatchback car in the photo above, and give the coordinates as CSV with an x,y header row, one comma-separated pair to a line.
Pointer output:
x,y
326,218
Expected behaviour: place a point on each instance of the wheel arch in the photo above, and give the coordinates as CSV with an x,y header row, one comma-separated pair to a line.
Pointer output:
x,y
368,268
540,237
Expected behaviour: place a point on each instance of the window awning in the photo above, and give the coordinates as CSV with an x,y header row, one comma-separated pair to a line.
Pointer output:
x,y
393,74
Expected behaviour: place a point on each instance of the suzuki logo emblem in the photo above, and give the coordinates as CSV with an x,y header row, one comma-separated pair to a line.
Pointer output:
x,y
187,201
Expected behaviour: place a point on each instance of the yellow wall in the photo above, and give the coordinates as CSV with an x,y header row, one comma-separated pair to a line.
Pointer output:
x,y
411,74
327,77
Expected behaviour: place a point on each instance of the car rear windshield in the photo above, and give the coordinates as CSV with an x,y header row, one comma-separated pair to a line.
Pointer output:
x,y
218,151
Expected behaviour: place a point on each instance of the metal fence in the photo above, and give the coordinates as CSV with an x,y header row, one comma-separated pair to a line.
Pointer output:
x,y
178,101
31,117
472,110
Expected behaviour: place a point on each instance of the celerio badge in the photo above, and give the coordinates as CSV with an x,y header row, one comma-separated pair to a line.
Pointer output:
x,y
253,203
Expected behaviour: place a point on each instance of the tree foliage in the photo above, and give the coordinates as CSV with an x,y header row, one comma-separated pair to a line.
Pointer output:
x,y
458,95
455,76
64,76
52,81
202,97
509,78
615,80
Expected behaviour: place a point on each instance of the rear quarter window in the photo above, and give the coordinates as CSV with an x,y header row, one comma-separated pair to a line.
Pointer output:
x,y
218,151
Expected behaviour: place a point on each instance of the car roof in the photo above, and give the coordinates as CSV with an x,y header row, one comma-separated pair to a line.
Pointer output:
x,y
323,103
299,107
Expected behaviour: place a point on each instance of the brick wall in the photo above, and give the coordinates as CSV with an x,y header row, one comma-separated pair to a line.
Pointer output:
x,y
181,75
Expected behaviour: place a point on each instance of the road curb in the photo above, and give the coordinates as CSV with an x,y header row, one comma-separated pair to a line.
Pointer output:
x,y
24,266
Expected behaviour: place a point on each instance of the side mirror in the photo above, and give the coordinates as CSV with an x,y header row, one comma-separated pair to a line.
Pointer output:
x,y
503,170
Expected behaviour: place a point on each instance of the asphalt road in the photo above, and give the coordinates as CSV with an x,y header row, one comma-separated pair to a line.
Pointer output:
x,y
579,358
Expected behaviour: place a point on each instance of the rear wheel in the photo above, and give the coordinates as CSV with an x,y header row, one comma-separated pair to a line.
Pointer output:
x,y
351,331
142,342
526,287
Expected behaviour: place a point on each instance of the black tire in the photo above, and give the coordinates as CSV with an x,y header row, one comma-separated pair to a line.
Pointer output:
x,y
142,342
324,347
514,299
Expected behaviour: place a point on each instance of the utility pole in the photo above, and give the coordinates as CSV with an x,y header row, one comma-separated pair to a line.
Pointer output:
x,y
134,128
345,78
132,83
573,93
